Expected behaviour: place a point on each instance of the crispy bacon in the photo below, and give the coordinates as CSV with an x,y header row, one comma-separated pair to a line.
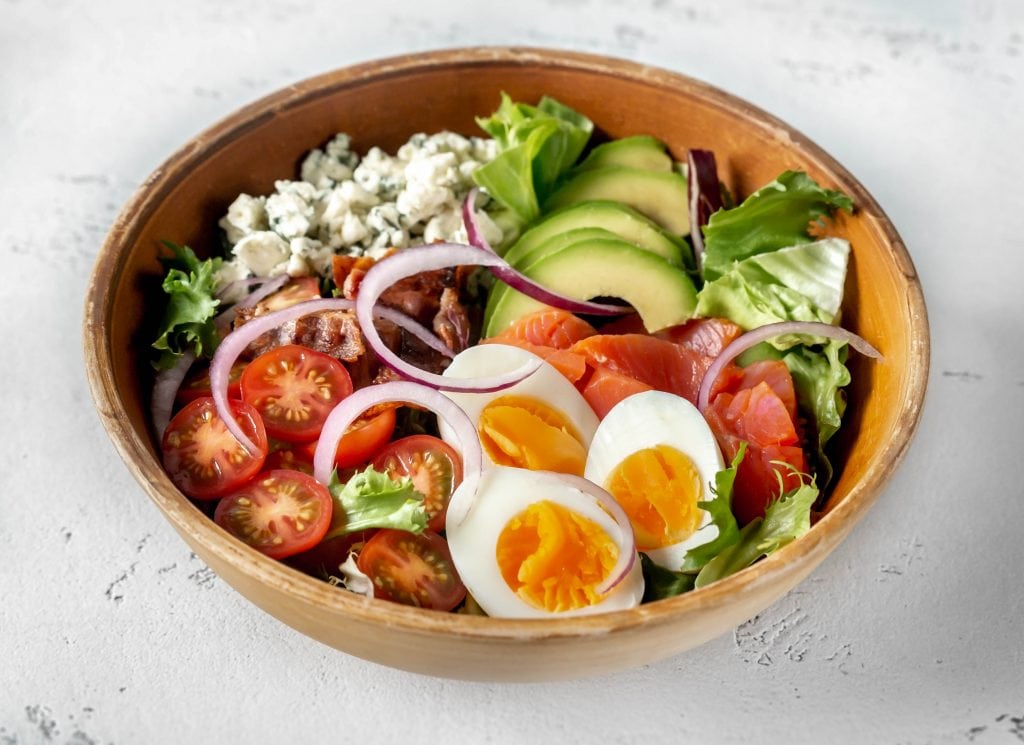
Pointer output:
x,y
431,298
333,332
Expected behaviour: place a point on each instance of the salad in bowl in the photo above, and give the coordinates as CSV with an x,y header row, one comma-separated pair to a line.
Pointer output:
x,y
521,375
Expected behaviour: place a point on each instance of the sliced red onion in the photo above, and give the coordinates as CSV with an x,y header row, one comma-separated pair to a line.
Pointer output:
x,y
229,289
627,539
267,287
705,196
770,331
405,263
232,345
348,411
504,271
165,389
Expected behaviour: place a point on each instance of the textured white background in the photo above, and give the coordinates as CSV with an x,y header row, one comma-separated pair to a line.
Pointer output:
x,y
911,632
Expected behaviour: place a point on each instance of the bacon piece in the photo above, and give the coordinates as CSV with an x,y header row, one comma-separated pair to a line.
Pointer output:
x,y
333,332
452,323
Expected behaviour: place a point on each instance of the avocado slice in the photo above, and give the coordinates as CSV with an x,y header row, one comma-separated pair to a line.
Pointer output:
x,y
660,196
662,294
616,217
642,151
555,243
524,253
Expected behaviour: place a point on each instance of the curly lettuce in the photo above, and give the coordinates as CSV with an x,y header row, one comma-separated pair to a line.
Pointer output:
x,y
187,324
372,499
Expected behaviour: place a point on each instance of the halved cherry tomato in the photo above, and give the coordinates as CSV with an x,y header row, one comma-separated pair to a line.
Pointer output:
x,y
197,384
280,513
293,459
205,460
434,467
299,290
294,388
322,561
365,438
412,569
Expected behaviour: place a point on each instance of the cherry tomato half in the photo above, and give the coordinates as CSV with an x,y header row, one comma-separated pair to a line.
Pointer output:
x,y
197,384
294,388
292,459
280,513
365,438
203,459
322,561
434,467
412,569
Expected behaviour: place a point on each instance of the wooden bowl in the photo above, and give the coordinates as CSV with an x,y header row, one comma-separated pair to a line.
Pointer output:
x,y
383,103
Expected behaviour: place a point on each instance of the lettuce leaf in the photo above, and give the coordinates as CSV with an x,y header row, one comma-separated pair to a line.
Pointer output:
x,y
720,509
538,144
371,499
187,323
785,520
775,216
819,377
804,282
661,583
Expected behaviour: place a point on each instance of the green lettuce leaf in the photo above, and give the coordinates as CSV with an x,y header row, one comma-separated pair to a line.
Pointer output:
x,y
371,499
784,521
819,377
798,283
661,583
538,144
775,216
187,324
720,509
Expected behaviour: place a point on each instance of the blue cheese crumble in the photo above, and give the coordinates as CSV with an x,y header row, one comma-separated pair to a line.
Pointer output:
x,y
344,204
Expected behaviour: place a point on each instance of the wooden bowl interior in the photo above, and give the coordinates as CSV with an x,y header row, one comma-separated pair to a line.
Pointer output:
x,y
383,104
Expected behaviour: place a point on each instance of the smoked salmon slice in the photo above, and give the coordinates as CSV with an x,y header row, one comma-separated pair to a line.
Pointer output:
x,y
548,328
707,336
659,364
605,388
572,366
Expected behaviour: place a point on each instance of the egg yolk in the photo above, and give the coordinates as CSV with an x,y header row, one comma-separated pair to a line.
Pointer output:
x,y
554,558
658,488
525,432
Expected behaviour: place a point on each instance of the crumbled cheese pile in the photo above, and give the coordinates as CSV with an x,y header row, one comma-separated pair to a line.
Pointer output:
x,y
344,205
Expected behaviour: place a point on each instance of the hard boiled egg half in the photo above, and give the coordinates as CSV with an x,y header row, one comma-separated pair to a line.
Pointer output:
x,y
534,545
655,453
541,423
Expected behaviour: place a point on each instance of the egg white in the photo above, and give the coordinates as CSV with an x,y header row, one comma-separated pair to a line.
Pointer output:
x,y
546,384
652,418
502,494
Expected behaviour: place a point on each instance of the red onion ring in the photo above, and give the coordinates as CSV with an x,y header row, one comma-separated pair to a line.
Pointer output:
x,y
521,282
626,558
411,261
770,331
165,390
348,411
245,282
705,196
232,346
268,286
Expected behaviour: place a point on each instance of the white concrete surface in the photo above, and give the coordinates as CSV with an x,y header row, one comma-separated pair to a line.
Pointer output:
x,y
912,632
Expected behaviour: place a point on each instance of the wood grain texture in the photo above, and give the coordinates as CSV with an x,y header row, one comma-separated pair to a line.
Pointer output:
x,y
381,103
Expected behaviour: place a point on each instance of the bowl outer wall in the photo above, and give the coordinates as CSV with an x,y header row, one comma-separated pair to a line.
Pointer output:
x,y
378,103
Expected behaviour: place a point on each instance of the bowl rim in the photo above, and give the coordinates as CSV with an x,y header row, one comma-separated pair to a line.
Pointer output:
x,y
189,519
